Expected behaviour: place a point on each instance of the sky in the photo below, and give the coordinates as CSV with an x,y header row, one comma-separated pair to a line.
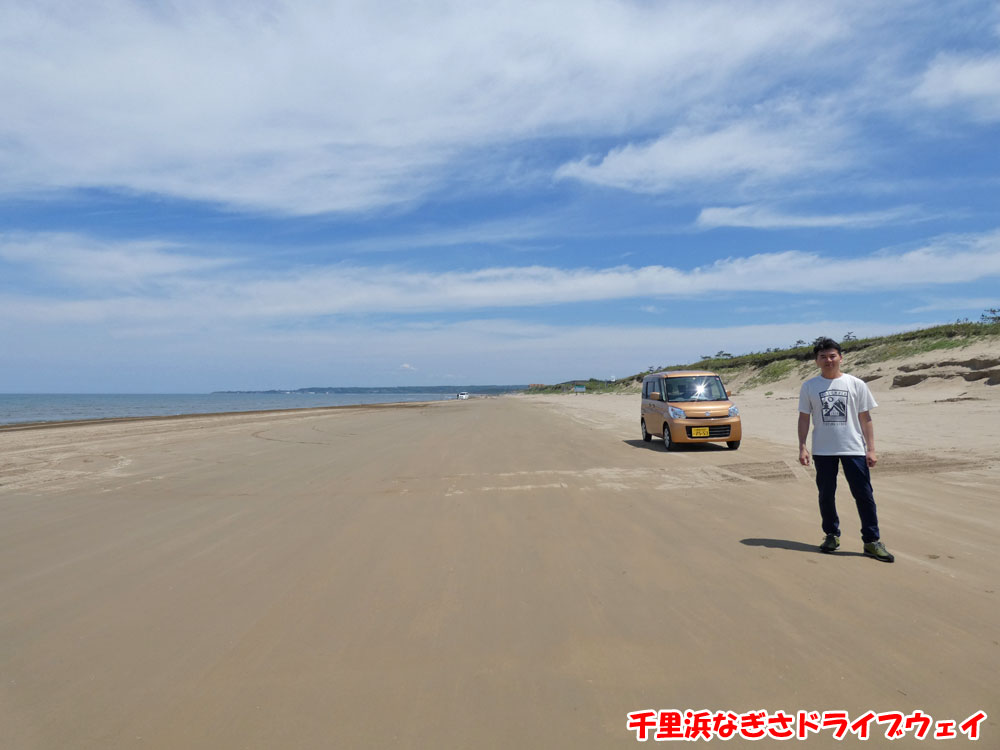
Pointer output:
x,y
251,194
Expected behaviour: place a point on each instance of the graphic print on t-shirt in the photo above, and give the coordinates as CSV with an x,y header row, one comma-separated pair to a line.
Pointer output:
x,y
834,405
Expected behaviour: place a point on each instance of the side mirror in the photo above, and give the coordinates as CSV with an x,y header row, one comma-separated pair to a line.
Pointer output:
x,y
729,392
655,397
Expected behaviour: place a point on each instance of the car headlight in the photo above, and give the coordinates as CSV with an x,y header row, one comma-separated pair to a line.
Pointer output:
x,y
734,411
676,413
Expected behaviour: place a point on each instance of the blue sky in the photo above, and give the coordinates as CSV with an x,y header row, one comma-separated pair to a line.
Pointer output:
x,y
245,194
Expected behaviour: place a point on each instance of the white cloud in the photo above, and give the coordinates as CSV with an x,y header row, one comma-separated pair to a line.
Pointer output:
x,y
305,293
755,150
963,81
503,232
308,106
963,304
764,217
84,261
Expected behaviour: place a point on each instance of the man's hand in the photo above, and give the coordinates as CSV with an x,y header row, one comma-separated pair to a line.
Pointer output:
x,y
868,430
803,434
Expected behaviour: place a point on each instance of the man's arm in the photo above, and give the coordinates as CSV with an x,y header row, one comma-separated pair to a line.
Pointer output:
x,y
803,434
868,430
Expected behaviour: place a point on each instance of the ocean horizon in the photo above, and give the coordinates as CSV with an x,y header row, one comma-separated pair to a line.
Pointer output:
x,y
25,408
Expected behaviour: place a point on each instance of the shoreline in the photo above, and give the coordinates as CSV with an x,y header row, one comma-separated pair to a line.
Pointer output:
x,y
18,426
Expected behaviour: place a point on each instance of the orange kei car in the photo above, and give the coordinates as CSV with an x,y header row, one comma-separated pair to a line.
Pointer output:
x,y
689,406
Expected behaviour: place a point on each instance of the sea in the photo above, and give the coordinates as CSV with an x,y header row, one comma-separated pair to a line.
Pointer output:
x,y
19,408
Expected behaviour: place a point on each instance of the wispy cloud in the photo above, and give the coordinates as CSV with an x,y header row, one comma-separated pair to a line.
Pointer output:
x,y
785,145
964,81
348,290
84,262
962,304
308,107
765,217
502,232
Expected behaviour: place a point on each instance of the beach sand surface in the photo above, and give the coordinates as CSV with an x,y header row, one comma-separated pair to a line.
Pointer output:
x,y
499,572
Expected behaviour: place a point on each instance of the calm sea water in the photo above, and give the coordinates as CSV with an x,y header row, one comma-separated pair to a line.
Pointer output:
x,y
62,407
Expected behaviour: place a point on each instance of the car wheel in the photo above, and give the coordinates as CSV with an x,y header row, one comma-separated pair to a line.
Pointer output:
x,y
733,444
646,437
667,442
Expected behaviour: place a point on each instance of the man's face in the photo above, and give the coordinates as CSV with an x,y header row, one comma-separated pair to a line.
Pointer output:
x,y
829,361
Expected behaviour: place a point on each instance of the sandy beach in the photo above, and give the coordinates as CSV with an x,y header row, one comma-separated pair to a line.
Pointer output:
x,y
499,572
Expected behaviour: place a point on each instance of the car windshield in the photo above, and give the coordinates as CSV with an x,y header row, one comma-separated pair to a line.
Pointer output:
x,y
695,388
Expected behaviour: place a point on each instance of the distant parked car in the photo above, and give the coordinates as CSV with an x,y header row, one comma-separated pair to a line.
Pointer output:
x,y
463,394
689,406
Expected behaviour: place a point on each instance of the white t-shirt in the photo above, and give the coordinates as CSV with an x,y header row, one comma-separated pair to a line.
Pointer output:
x,y
834,406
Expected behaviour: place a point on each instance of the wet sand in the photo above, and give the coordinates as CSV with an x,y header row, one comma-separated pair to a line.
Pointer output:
x,y
505,572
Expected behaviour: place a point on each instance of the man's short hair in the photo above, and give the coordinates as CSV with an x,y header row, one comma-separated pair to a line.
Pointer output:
x,y
822,344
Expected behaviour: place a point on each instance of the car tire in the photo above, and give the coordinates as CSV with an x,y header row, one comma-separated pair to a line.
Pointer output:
x,y
669,444
732,444
646,437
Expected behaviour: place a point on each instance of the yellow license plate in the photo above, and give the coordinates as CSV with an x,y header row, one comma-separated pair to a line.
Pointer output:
x,y
699,432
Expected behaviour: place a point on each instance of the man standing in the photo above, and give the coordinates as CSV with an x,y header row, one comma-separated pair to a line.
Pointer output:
x,y
840,407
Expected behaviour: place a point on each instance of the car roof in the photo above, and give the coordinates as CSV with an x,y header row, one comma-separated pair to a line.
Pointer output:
x,y
679,374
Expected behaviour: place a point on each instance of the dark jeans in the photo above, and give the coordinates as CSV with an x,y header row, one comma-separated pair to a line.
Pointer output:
x,y
859,479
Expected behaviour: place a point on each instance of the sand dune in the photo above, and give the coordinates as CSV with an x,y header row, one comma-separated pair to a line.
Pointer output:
x,y
508,572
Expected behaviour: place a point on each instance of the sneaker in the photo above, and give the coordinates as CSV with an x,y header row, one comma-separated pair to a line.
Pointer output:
x,y
878,551
830,544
